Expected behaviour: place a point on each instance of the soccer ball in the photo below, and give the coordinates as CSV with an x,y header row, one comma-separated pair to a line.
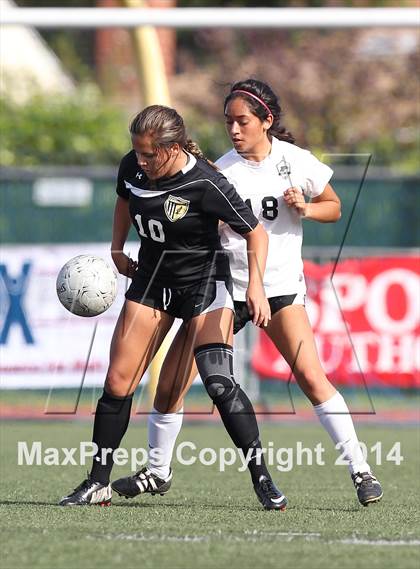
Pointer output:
x,y
87,285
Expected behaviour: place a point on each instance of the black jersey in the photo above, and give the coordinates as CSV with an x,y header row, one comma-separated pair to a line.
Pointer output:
x,y
177,220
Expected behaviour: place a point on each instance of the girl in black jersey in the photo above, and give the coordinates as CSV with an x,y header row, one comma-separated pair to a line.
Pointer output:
x,y
175,200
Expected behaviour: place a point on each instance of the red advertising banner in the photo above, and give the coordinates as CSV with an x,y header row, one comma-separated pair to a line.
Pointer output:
x,y
366,322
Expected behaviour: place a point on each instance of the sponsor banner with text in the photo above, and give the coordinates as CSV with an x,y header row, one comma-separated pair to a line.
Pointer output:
x,y
41,343
372,334
366,321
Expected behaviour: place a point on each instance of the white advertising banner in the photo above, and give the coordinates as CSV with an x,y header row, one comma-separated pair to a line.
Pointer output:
x,y
41,343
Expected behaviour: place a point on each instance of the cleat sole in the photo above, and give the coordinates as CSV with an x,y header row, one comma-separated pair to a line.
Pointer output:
x,y
268,509
373,500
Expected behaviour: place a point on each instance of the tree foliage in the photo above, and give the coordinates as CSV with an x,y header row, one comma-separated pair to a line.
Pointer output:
x,y
50,130
342,91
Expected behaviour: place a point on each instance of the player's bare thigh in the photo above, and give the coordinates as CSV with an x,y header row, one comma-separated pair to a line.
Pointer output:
x,y
292,334
179,369
138,335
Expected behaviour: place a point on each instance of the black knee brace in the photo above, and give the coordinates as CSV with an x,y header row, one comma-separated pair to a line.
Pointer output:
x,y
215,366
219,388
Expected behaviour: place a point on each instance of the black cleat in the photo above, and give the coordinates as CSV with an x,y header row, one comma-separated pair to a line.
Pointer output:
x,y
367,487
143,481
270,496
88,493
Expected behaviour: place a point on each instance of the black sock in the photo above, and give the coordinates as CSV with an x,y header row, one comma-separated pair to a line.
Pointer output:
x,y
111,422
239,419
256,464
215,365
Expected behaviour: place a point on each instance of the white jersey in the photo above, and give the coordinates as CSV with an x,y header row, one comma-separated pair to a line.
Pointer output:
x,y
262,185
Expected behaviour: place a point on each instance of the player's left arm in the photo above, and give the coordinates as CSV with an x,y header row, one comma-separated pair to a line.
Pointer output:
x,y
325,208
222,200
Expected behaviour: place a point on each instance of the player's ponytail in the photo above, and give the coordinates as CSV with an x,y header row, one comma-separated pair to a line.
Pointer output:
x,y
193,148
262,101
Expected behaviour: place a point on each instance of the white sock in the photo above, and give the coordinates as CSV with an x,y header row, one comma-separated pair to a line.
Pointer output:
x,y
335,417
163,431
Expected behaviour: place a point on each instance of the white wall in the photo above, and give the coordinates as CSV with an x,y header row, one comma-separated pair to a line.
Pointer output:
x,y
28,65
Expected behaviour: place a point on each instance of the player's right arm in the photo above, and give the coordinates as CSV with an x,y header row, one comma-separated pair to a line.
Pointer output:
x,y
120,228
122,219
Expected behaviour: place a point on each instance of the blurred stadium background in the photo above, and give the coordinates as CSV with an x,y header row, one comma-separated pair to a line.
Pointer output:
x,y
350,94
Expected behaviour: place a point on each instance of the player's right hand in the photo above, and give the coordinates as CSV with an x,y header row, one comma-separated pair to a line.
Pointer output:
x,y
125,265
258,306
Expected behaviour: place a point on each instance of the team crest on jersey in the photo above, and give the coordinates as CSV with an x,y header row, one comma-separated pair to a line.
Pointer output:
x,y
176,208
283,168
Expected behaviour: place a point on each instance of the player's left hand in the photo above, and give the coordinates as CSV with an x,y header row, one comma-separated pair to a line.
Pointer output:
x,y
294,198
258,306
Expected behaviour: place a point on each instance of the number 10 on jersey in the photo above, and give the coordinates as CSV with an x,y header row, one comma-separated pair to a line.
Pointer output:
x,y
155,229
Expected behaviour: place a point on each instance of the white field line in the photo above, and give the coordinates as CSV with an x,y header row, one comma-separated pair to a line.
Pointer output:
x,y
253,536
142,537
394,542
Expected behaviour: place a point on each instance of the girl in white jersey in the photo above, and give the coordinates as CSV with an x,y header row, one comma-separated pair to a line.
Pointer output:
x,y
273,176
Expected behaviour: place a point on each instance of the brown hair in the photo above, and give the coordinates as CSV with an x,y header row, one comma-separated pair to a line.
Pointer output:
x,y
261,101
166,128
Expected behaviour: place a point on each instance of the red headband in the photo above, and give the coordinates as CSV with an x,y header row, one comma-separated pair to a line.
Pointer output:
x,y
254,97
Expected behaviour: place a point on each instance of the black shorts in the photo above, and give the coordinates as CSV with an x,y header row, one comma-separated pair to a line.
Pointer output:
x,y
242,315
185,302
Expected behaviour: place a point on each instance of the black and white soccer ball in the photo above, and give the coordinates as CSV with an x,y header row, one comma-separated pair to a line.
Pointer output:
x,y
87,285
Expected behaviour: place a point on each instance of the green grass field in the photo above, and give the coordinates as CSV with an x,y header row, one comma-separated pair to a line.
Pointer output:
x,y
211,518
